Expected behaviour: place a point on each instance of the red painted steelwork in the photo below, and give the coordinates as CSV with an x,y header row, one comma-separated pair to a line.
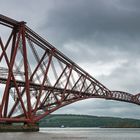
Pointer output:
x,y
37,79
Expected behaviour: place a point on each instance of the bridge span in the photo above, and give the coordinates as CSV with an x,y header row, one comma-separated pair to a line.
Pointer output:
x,y
37,79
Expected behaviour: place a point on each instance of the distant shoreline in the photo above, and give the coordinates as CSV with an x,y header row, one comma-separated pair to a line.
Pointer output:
x,y
75,121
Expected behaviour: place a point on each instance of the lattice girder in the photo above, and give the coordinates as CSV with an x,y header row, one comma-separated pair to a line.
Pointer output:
x,y
37,79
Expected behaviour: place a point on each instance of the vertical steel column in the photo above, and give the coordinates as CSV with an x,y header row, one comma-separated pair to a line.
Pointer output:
x,y
14,32
27,88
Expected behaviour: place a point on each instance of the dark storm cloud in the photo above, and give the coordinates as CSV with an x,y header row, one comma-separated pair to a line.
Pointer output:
x,y
101,31
96,20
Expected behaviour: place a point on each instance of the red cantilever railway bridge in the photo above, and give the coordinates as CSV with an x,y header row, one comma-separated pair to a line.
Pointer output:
x,y
37,79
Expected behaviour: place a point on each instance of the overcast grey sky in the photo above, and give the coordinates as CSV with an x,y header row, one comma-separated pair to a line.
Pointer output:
x,y
102,36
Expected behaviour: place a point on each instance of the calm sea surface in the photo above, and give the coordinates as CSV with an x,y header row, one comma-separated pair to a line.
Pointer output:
x,y
75,134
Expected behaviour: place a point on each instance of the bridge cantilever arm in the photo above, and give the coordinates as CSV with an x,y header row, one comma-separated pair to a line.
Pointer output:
x,y
62,57
9,22
4,20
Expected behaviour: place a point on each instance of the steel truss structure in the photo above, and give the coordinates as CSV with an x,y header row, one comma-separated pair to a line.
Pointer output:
x,y
37,79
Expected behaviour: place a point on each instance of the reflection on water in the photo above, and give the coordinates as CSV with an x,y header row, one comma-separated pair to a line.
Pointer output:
x,y
76,134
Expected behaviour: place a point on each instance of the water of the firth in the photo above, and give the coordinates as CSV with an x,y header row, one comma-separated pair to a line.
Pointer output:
x,y
75,134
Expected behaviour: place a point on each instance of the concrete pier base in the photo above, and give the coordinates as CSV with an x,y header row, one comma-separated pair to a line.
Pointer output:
x,y
4,127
